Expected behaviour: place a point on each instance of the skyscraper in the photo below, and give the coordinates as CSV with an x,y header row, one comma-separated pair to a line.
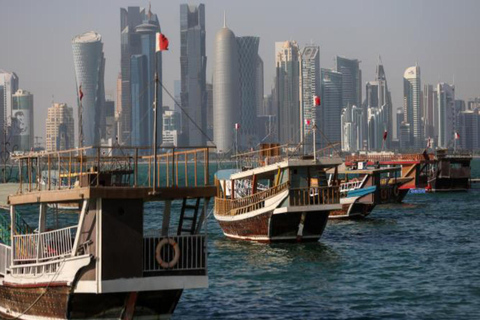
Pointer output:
x,y
379,105
226,90
141,130
89,72
287,85
248,71
311,84
412,105
22,120
193,65
331,109
351,80
59,128
9,85
429,108
351,124
138,27
446,117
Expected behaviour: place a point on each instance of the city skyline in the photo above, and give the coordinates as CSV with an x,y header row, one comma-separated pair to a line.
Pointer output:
x,y
454,55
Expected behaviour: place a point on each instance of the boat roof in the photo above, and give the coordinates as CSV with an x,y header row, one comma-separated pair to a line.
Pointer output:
x,y
345,170
321,162
225,174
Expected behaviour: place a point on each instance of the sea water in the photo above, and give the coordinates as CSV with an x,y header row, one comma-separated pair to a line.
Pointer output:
x,y
416,260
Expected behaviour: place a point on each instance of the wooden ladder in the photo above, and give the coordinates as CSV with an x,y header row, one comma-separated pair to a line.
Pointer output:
x,y
194,226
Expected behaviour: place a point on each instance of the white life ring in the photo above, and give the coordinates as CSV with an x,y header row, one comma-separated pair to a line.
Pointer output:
x,y
176,256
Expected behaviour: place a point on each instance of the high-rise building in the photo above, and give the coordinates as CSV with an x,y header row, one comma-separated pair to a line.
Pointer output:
x,y
259,85
226,90
141,127
429,108
351,80
8,85
210,110
331,108
22,120
110,121
287,85
469,130
351,133
89,72
193,65
412,105
399,120
59,128
138,28
171,127
379,105
446,115
311,84
248,71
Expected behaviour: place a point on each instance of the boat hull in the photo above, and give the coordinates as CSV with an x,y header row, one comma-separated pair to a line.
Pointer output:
x,y
55,301
352,207
273,226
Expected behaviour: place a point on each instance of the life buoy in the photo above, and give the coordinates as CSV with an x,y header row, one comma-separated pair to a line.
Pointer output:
x,y
396,192
176,255
384,193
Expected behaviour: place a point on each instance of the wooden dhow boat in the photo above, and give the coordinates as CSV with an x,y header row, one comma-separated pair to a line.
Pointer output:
x,y
121,256
283,198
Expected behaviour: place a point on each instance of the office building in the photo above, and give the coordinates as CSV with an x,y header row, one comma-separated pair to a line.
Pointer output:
x,y
89,63
412,106
59,128
331,106
193,66
248,63
226,90
446,115
351,80
351,129
22,120
311,84
287,80
138,28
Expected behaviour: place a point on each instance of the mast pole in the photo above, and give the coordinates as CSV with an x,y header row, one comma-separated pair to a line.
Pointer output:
x,y
155,105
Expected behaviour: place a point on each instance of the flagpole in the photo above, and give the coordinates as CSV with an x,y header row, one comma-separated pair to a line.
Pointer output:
x,y
155,105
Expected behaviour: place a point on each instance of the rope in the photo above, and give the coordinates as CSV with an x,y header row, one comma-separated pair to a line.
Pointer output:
x,y
42,294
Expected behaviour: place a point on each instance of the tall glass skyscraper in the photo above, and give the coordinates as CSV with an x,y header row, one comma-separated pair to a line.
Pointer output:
x,y
412,105
311,86
331,110
249,89
287,90
351,80
446,115
193,64
226,90
89,72
138,28
22,120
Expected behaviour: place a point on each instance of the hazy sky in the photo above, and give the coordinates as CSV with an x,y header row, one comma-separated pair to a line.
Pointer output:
x,y
442,36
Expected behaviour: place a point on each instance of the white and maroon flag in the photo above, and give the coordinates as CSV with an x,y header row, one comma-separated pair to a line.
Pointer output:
x,y
80,93
237,126
161,43
316,101
456,135
307,122
385,135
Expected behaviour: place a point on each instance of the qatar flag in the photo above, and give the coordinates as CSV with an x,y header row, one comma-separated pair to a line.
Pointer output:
x,y
80,93
162,42
385,135
316,101
457,136
237,126
307,122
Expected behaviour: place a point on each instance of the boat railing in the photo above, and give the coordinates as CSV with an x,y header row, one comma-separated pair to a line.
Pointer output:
x,y
41,247
231,206
5,258
174,253
388,157
113,166
309,196
351,185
